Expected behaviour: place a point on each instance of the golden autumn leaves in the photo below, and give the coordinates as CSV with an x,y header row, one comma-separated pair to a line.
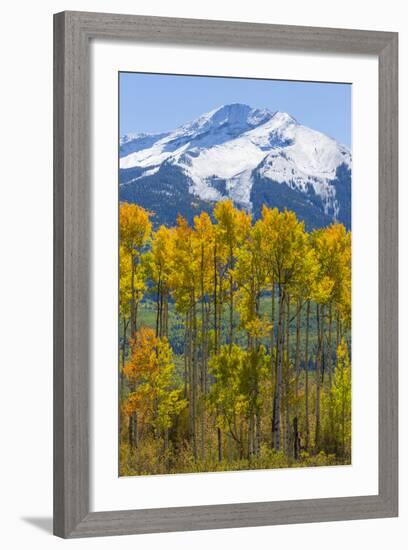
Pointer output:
x,y
261,377
149,371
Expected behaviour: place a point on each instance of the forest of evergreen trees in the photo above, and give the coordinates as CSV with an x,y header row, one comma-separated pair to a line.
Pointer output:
x,y
234,342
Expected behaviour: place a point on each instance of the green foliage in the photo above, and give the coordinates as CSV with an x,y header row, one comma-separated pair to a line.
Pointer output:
x,y
337,404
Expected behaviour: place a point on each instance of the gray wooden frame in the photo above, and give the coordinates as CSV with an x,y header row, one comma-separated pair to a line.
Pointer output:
x,y
72,34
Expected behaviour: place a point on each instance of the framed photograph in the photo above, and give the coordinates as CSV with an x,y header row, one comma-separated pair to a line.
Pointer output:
x,y
225,288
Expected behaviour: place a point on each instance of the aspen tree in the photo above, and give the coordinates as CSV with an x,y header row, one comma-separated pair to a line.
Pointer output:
x,y
134,232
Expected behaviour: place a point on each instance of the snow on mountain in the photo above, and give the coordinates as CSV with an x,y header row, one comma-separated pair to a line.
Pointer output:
x,y
224,152
207,131
130,143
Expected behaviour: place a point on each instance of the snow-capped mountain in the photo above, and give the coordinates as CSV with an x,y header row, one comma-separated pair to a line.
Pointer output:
x,y
253,156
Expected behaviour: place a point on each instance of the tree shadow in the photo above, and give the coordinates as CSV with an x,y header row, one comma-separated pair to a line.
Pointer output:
x,y
43,523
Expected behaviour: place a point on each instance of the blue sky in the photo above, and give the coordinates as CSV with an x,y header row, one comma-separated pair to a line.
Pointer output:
x,y
158,103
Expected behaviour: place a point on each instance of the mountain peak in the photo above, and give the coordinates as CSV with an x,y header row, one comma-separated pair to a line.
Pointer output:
x,y
238,116
233,108
242,112
284,118
243,153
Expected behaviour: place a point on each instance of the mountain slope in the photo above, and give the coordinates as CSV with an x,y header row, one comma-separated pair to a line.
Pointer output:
x,y
253,156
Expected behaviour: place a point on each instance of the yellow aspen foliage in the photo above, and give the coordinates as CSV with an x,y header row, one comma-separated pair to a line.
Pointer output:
x,y
134,226
234,342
